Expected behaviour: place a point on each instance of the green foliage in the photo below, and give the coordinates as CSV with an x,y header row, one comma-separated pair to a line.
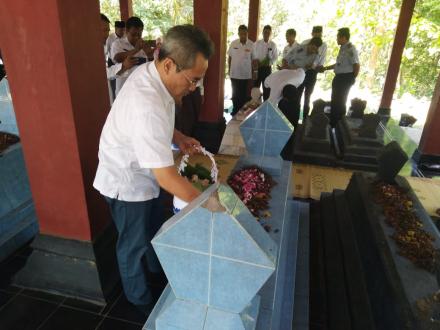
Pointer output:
x,y
158,16
421,59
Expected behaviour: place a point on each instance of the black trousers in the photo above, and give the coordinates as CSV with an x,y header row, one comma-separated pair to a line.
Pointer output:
x,y
341,85
239,93
307,87
263,73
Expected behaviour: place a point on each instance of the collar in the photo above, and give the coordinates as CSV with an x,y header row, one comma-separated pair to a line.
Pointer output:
x,y
151,68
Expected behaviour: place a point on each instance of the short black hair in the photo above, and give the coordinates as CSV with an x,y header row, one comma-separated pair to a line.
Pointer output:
x,y
290,92
242,27
183,42
105,18
267,27
290,32
119,24
134,22
317,29
344,32
317,41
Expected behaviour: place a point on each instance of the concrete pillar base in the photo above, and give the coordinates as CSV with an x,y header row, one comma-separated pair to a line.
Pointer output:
x,y
73,268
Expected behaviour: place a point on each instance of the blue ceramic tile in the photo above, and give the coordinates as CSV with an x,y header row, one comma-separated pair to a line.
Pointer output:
x,y
254,140
272,165
230,240
257,119
277,121
191,232
220,320
187,272
182,315
234,284
275,142
256,231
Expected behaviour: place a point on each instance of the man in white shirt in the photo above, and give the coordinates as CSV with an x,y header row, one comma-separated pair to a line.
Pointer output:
x,y
119,69
240,68
135,156
312,73
346,70
118,34
264,55
278,79
131,44
291,44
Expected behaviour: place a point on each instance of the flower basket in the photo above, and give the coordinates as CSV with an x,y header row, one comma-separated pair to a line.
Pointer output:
x,y
199,176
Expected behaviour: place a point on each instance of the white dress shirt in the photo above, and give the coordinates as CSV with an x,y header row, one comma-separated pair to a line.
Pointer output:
x,y
289,48
278,79
347,56
263,49
241,59
322,53
299,57
136,138
122,45
109,42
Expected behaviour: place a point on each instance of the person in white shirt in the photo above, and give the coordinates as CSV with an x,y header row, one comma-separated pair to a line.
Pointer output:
x,y
131,44
240,68
346,70
135,156
264,55
278,79
291,44
304,57
312,73
118,34
119,69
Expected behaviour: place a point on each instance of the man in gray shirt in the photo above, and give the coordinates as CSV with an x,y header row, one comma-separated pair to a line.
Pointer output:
x,y
346,70
305,57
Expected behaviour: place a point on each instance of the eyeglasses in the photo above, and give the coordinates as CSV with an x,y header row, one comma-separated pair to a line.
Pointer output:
x,y
192,82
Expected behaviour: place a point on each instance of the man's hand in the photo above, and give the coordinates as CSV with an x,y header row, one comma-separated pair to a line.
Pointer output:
x,y
139,45
187,144
128,63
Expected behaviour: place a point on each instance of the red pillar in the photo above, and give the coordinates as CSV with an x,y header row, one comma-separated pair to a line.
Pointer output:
x,y
212,16
429,147
406,12
254,19
59,90
126,8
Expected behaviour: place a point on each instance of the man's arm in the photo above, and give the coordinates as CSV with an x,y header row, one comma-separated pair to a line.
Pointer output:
x,y
229,65
120,68
356,68
171,181
187,144
119,55
330,67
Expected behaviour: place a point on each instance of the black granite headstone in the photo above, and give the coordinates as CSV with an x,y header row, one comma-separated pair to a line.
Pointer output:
x,y
318,106
390,161
368,129
357,108
319,126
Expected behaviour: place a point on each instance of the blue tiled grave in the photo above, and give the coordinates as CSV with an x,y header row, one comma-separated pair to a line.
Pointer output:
x,y
265,133
8,123
215,262
18,221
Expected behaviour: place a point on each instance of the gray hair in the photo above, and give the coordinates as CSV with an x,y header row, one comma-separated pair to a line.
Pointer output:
x,y
182,43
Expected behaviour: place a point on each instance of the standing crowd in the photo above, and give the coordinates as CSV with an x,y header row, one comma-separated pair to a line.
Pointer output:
x,y
251,63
